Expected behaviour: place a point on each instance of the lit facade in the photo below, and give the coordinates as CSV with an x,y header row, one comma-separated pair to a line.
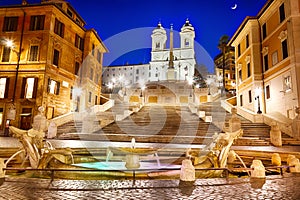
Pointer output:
x,y
183,61
230,81
183,58
127,76
267,52
53,61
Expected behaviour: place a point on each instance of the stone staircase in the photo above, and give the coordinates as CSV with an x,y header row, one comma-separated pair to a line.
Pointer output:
x,y
169,124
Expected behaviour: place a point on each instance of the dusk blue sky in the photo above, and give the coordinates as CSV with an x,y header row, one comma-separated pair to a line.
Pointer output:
x,y
120,23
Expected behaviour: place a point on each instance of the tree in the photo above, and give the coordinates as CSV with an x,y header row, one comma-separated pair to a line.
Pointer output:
x,y
222,45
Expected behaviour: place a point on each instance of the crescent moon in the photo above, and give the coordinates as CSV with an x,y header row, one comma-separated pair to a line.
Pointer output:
x,y
234,7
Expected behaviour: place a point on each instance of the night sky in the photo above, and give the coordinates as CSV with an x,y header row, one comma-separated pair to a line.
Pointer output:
x,y
125,26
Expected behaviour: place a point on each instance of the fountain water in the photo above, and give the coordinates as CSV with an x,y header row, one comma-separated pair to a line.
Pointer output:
x,y
157,160
241,160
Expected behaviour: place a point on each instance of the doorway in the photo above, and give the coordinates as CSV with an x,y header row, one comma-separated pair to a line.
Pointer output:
x,y
26,118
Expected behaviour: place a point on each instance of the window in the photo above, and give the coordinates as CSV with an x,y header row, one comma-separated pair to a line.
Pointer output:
x,y
59,28
287,83
33,54
240,76
137,71
247,41
10,24
97,78
29,88
157,45
5,54
248,70
284,49
53,86
264,30
37,22
96,99
79,42
274,58
250,96
1,117
239,50
69,12
90,97
99,56
77,66
56,57
268,92
4,87
71,92
241,100
266,62
93,49
92,74
281,13
186,43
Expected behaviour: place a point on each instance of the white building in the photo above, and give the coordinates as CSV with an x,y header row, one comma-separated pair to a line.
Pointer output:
x,y
180,62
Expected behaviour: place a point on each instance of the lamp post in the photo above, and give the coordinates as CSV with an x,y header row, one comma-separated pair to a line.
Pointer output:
x,y
10,44
258,92
141,94
191,84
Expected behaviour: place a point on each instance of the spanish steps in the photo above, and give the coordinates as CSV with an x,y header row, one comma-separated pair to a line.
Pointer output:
x,y
168,124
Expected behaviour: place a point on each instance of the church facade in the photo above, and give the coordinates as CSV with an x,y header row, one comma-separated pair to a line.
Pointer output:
x,y
167,64
180,62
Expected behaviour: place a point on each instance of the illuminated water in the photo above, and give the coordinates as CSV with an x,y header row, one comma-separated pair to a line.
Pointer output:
x,y
121,165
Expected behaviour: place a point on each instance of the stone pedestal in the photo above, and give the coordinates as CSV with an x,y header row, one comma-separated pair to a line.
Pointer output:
x,y
234,122
201,114
294,165
276,159
209,98
296,125
132,161
275,135
187,172
171,74
258,169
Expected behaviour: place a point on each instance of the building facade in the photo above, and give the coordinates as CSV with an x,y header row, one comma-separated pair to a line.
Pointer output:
x,y
229,62
267,52
47,58
181,60
114,77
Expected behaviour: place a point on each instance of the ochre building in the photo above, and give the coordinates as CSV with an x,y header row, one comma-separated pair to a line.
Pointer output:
x,y
47,58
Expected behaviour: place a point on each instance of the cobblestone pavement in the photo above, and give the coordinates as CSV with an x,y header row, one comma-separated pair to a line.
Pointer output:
x,y
273,187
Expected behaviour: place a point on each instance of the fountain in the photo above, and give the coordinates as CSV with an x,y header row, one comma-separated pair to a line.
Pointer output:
x,y
42,155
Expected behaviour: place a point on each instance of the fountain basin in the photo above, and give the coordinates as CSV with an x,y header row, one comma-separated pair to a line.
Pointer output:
x,y
147,166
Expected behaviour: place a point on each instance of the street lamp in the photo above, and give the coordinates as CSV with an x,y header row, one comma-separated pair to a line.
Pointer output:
x,y
191,84
142,90
10,44
110,86
258,92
